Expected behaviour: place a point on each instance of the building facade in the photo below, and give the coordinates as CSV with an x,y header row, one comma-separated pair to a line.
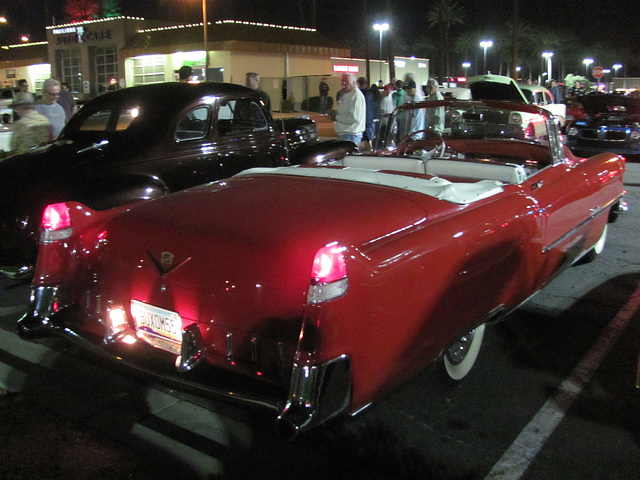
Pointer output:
x,y
101,55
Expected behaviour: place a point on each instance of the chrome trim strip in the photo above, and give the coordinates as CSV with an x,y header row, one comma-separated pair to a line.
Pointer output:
x,y
594,213
193,350
317,394
17,273
40,321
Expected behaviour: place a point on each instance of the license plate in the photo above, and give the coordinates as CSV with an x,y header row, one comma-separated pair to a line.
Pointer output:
x,y
157,326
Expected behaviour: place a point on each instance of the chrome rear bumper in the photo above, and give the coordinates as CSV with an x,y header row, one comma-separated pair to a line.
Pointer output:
x,y
317,393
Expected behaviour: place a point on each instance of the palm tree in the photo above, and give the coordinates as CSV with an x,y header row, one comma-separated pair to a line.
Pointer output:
x,y
465,47
78,10
424,47
111,8
444,14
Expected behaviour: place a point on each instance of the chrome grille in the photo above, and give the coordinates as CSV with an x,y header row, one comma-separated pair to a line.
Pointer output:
x,y
589,134
614,135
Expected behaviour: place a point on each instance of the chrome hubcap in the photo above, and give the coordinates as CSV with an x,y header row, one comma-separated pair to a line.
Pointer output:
x,y
458,350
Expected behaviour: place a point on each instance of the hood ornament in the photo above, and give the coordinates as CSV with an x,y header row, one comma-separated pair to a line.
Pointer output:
x,y
165,265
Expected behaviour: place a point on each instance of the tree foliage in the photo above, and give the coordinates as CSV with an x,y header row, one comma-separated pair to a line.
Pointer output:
x,y
443,15
79,10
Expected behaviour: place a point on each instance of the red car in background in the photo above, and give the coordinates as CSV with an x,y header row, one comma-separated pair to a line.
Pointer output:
x,y
313,290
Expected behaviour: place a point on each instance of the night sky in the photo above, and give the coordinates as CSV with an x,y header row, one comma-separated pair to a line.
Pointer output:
x,y
592,21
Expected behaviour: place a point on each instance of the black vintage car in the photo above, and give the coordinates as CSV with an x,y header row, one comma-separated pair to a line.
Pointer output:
x,y
141,143
612,125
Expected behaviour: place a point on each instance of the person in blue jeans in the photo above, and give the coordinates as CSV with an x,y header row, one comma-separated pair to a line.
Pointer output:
x,y
351,113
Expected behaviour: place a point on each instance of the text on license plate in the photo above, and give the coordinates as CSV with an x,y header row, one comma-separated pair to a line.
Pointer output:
x,y
161,328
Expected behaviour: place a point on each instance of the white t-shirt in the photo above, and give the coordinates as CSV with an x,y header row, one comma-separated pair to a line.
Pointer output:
x,y
56,116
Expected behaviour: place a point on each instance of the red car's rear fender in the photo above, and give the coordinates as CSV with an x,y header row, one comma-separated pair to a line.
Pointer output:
x,y
59,259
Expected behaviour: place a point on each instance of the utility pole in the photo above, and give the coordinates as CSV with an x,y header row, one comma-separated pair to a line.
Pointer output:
x,y
514,42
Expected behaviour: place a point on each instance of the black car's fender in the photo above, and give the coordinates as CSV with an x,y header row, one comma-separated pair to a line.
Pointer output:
x,y
122,190
309,154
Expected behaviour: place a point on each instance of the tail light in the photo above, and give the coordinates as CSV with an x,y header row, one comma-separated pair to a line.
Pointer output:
x,y
328,274
530,132
56,223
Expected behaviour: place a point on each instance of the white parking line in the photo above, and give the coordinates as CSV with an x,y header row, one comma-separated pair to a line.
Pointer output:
x,y
517,458
12,310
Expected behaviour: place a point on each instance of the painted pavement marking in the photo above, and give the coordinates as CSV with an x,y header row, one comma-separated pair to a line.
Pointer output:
x,y
517,458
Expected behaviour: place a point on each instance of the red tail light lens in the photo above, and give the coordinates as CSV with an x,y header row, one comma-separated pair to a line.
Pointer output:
x,y
56,217
328,274
329,264
56,223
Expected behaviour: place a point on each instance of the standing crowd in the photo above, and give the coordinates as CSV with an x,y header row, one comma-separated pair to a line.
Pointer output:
x,y
40,119
360,104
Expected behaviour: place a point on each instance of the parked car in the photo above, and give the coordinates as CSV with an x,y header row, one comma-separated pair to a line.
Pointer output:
x,y
455,93
6,99
612,125
575,110
498,87
312,290
144,142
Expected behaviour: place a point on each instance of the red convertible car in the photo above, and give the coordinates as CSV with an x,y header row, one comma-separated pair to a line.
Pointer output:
x,y
313,290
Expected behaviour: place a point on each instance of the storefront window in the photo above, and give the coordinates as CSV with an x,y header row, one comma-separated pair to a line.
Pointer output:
x,y
105,64
68,63
148,69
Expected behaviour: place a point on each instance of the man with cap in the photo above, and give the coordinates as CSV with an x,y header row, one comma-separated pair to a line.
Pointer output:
x,y
32,128
185,73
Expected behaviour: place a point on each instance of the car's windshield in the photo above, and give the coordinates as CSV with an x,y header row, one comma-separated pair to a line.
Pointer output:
x,y
486,127
462,120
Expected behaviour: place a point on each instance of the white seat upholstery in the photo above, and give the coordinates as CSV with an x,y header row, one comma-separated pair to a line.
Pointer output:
x,y
512,174
406,164
509,173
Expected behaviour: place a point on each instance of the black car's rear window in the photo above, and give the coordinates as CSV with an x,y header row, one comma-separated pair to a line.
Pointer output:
x,y
109,120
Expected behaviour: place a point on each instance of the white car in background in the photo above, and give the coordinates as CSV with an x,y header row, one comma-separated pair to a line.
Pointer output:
x,y
6,116
6,99
499,87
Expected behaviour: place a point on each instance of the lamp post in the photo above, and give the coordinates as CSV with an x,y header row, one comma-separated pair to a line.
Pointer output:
x,y
3,20
616,67
466,66
587,62
204,31
486,44
381,28
547,56
607,85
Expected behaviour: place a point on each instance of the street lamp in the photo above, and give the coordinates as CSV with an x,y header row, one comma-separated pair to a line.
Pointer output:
x,y
466,66
3,20
615,69
204,29
381,28
486,44
547,56
587,62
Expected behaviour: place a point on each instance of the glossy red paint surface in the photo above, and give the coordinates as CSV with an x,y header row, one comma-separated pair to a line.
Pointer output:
x,y
236,258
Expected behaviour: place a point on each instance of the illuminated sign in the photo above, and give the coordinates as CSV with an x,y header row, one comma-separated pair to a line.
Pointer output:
x,y
70,35
346,68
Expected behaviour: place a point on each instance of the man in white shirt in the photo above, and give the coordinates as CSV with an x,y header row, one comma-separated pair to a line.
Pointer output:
x,y
50,108
351,113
